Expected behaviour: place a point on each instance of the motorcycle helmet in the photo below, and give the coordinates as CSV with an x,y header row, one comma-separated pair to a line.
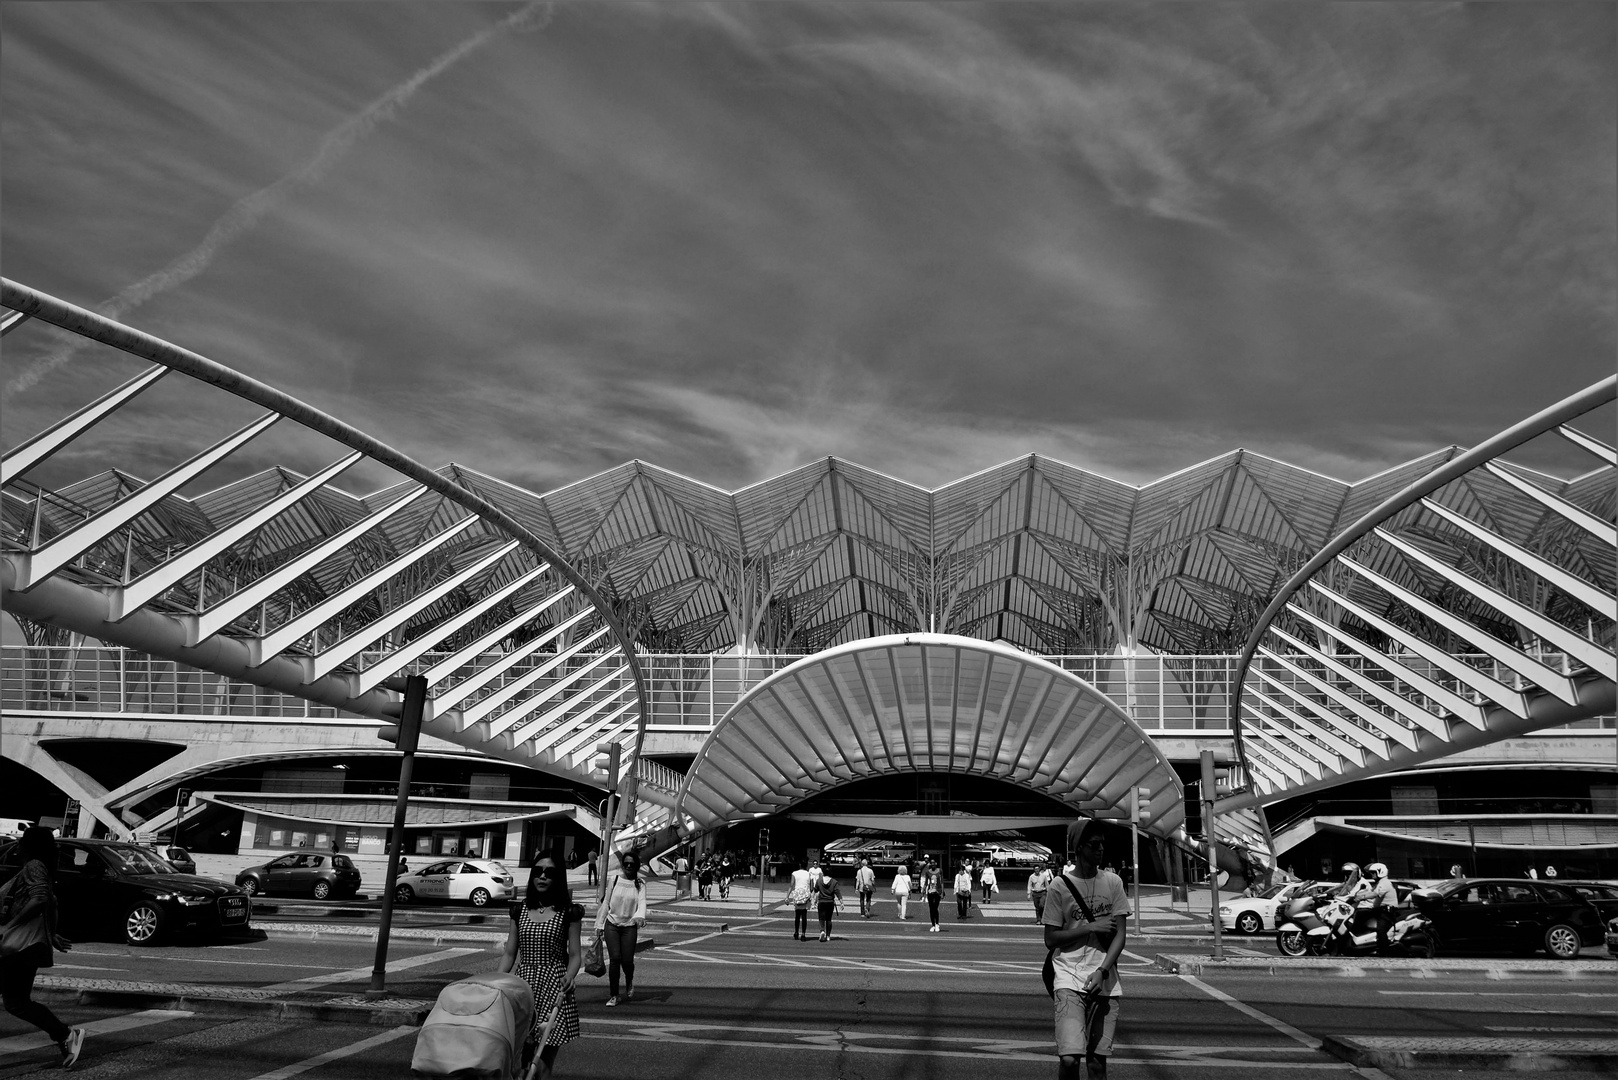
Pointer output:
x,y
1377,870
1350,869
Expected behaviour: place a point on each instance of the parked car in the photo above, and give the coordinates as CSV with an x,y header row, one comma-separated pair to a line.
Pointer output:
x,y
1255,914
1612,938
1493,914
303,873
107,887
477,881
1601,895
177,857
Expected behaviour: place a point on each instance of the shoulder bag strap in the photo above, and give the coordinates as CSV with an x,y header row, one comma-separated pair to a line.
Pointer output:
x,y
1084,909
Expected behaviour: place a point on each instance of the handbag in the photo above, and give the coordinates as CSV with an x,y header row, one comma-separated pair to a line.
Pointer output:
x,y
1048,970
594,963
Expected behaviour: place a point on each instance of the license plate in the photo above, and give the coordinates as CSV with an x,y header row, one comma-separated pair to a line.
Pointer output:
x,y
233,909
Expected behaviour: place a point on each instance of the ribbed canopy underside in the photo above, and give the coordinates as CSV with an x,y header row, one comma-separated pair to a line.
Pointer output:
x,y
927,703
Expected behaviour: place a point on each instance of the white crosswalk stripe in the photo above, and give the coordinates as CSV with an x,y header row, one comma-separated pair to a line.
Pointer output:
x,y
22,1044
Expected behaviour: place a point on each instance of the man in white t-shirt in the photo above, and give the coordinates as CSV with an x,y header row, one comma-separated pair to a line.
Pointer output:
x,y
1088,992
1038,882
865,885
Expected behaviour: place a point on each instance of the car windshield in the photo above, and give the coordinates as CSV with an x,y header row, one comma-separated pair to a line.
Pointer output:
x,y
1273,891
1447,887
136,861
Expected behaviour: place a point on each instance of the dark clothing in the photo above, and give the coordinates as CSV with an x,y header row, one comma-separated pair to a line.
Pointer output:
x,y
620,942
17,985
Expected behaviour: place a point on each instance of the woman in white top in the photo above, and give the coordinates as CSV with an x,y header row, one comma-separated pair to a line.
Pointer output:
x,y
963,892
619,918
901,889
798,895
987,880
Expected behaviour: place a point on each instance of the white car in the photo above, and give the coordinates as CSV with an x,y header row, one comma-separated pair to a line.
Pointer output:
x,y
1255,914
478,881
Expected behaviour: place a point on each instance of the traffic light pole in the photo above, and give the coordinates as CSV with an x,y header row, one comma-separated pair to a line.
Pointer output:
x,y
1209,784
1134,849
607,821
409,733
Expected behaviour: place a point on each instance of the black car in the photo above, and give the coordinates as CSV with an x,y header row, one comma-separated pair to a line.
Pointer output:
x,y
106,887
1602,895
1509,914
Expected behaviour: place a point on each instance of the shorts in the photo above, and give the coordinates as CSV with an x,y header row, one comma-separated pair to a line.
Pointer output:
x,y
1071,1037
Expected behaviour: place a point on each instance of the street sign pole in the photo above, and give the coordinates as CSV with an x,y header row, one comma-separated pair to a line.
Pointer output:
x,y
1134,847
409,733
1209,784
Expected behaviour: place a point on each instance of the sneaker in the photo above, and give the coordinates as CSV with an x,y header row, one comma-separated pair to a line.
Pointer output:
x,y
612,1001
71,1047
825,937
629,995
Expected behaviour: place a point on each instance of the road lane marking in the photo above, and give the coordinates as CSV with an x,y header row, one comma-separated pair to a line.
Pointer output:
x,y
82,967
335,1055
1367,1071
986,1048
365,972
19,1044
1492,993
693,941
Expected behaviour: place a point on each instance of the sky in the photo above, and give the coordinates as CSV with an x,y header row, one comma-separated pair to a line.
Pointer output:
x,y
728,239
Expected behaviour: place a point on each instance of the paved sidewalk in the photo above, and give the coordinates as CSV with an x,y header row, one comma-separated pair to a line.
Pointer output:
x,y
1598,1053
1202,964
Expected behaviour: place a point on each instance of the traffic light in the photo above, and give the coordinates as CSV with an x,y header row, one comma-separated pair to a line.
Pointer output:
x,y
1142,797
408,709
764,841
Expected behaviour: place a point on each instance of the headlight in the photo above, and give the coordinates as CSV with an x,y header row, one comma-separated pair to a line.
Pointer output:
x,y
194,901
1224,911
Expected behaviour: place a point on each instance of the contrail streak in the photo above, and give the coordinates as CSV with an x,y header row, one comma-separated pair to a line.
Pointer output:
x,y
250,209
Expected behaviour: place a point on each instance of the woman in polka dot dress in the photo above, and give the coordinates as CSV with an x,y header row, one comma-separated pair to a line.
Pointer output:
x,y
543,948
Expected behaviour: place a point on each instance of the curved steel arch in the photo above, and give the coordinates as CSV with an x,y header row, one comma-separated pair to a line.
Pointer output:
x,y
1475,604
926,703
460,566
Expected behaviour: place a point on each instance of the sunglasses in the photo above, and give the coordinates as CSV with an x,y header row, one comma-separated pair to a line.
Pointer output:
x,y
548,871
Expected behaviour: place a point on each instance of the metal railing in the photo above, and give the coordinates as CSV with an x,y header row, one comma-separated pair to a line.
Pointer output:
x,y
1166,694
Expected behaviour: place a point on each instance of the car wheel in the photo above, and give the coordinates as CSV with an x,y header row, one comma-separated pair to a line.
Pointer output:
x,y
1562,941
403,894
1249,922
143,923
479,897
251,887
1291,943
322,890
1428,949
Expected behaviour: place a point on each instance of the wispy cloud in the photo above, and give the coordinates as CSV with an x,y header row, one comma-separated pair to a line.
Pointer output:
x,y
252,208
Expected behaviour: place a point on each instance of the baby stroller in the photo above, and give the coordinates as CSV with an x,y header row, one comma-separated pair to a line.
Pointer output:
x,y
478,1029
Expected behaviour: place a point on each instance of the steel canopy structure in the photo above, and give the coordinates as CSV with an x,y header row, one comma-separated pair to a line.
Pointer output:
x,y
926,703
287,582
1478,603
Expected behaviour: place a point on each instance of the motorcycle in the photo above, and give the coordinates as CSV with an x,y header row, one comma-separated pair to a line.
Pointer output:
x,y
1302,930
1338,927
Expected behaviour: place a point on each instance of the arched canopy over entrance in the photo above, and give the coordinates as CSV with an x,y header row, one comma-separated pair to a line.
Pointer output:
x,y
926,703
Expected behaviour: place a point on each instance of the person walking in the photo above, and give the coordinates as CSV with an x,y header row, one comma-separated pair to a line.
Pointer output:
x,y
682,877
798,889
726,871
932,887
828,899
29,914
543,950
593,874
1038,882
901,890
619,918
865,886
989,883
963,892
1085,914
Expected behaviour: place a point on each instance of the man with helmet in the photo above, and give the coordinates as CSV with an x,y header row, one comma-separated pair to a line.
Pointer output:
x,y
1353,883
1384,898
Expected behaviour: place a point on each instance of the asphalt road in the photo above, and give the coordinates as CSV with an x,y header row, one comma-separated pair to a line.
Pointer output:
x,y
881,1000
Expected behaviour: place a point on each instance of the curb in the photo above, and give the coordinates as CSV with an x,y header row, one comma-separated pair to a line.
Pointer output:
x,y
1490,1055
387,1013
437,937
1180,964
